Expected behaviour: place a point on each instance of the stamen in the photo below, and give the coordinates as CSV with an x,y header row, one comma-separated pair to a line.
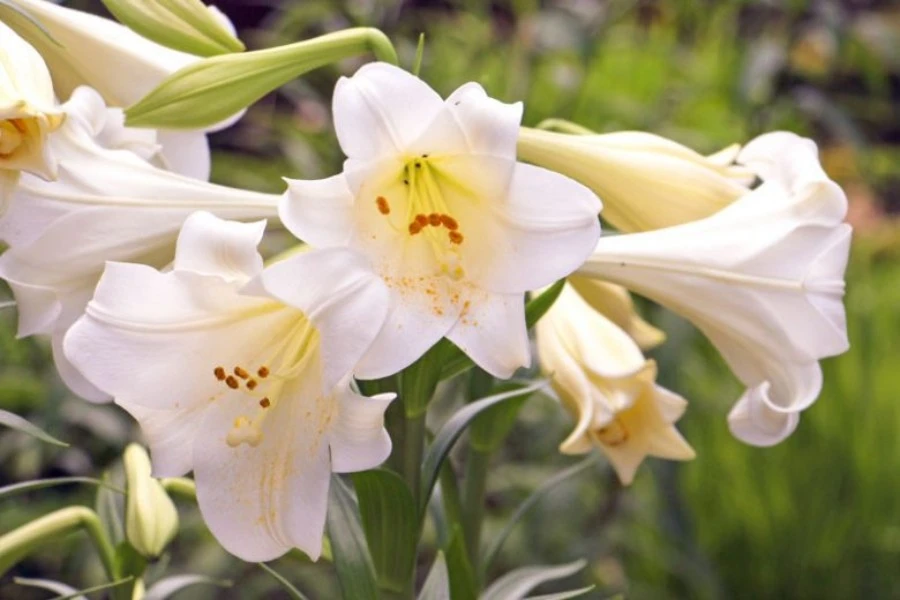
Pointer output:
x,y
241,373
421,220
219,372
232,382
251,385
455,237
613,434
434,219
263,372
449,222
414,228
265,403
383,206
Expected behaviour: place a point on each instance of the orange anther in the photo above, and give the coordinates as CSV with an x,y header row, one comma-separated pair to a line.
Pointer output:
x,y
241,373
434,219
231,382
383,206
219,372
414,228
422,220
455,237
265,403
263,371
449,222
251,385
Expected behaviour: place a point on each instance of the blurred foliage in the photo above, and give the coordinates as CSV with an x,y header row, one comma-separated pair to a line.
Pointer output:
x,y
815,517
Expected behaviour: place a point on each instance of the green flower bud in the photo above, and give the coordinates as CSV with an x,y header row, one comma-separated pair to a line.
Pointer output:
x,y
151,520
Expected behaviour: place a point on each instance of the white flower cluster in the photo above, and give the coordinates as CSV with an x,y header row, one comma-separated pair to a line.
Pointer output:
x,y
148,278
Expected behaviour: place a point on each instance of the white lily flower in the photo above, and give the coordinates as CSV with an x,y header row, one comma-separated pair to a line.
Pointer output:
x,y
28,111
431,192
123,66
645,181
763,279
241,374
602,378
107,203
615,303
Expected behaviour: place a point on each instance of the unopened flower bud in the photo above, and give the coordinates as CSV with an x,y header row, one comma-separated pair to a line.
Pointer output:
x,y
151,520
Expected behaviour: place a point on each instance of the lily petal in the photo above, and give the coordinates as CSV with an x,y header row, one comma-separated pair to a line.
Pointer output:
x,y
210,246
319,212
491,127
358,438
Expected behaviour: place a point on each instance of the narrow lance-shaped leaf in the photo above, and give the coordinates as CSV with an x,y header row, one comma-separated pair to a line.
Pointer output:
x,y
437,584
292,591
463,585
352,561
16,422
516,584
36,484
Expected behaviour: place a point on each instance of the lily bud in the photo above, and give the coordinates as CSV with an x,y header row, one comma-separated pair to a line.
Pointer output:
x,y
151,520
28,111
605,382
645,181
186,25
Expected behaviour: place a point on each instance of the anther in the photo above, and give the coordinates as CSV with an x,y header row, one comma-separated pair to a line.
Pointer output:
x,y
414,228
232,382
449,222
251,385
263,371
434,219
455,237
406,182
265,403
418,165
383,206
421,220
219,372
241,373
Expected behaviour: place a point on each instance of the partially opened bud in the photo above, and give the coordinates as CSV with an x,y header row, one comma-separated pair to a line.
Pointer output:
x,y
151,520
186,25
645,181
28,110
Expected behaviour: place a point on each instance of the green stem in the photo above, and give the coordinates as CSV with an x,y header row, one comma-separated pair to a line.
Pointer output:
x,y
19,543
181,487
475,482
413,447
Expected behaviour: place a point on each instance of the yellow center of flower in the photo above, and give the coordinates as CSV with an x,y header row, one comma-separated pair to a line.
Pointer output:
x,y
12,134
427,215
613,434
264,378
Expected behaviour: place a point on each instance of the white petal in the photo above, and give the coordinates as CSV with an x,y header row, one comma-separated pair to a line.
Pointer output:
x,y
319,212
38,307
358,438
338,291
72,377
491,127
491,331
262,501
212,246
543,231
185,152
752,420
170,435
382,110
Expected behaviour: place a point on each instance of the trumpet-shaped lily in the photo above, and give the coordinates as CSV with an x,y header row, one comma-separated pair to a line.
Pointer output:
x,y
763,279
85,49
646,181
28,111
602,378
240,374
107,203
432,194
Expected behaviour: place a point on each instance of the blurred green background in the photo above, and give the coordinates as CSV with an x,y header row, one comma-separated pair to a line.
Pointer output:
x,y
817,516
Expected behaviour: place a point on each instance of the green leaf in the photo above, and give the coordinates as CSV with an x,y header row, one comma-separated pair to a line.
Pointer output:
x,y
105,586
451,431
185,25
48,584
463,585
492,426
437,584
387,506
523,508
110,508
516,584
36,484
563,595
419,380
348,545
19,424
456,361
292,591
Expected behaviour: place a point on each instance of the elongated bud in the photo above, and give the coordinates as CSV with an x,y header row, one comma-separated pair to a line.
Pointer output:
x,y
645,181
151,520
211,90
186,25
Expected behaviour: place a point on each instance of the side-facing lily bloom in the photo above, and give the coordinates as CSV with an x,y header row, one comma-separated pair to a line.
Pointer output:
x,y
241,374
646,181
602,378
28,111
431,192
763,279
107,203
85,49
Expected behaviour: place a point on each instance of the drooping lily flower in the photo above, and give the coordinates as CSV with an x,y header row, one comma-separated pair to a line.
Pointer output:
x,y
240,374
431,192
763,279
615,303
645,181
86,49
602,378
108,203
28,112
